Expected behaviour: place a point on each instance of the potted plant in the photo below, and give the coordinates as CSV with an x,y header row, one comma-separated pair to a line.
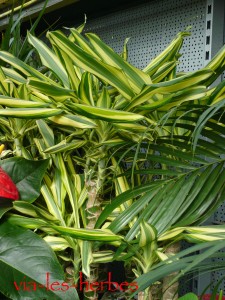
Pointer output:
x,y
135,163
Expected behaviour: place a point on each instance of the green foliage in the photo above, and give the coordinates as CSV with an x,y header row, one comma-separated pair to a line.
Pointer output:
x,y
189,296
27,262
27,175
136,157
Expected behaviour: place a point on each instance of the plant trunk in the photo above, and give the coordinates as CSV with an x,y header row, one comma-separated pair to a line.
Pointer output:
x,y
146,295
18,146
93,208
170,292
152,293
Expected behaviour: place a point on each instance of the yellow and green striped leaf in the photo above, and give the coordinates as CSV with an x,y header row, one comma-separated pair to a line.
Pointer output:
x,y
167,55
172,86
136,77
88,234
110,115
14,76
84,60
82,42
46,132
163,71
57,92
56,243
73,121
33,211
86,257
30,113
148,234
22,66
104,100
65,146
188,94
85,89
19,103
49,59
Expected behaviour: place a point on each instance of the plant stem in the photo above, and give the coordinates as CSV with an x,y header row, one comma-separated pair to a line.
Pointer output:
x,y
18,144
93,207
146,295
170,292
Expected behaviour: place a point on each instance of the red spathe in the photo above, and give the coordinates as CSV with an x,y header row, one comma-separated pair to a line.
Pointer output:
x,y
8,188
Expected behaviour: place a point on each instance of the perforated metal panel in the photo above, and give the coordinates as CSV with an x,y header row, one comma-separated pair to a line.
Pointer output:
x,y
152,26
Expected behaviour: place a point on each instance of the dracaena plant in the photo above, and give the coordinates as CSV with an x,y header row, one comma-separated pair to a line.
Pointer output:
x,y
136,157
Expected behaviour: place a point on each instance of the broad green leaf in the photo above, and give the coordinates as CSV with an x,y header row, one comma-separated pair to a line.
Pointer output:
x,y
24,92
5,205
114,142
85,61
103,256
189,296
26,174
25,257
58,190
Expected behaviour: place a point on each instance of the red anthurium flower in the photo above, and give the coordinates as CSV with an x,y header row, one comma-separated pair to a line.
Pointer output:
x,y
8,188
